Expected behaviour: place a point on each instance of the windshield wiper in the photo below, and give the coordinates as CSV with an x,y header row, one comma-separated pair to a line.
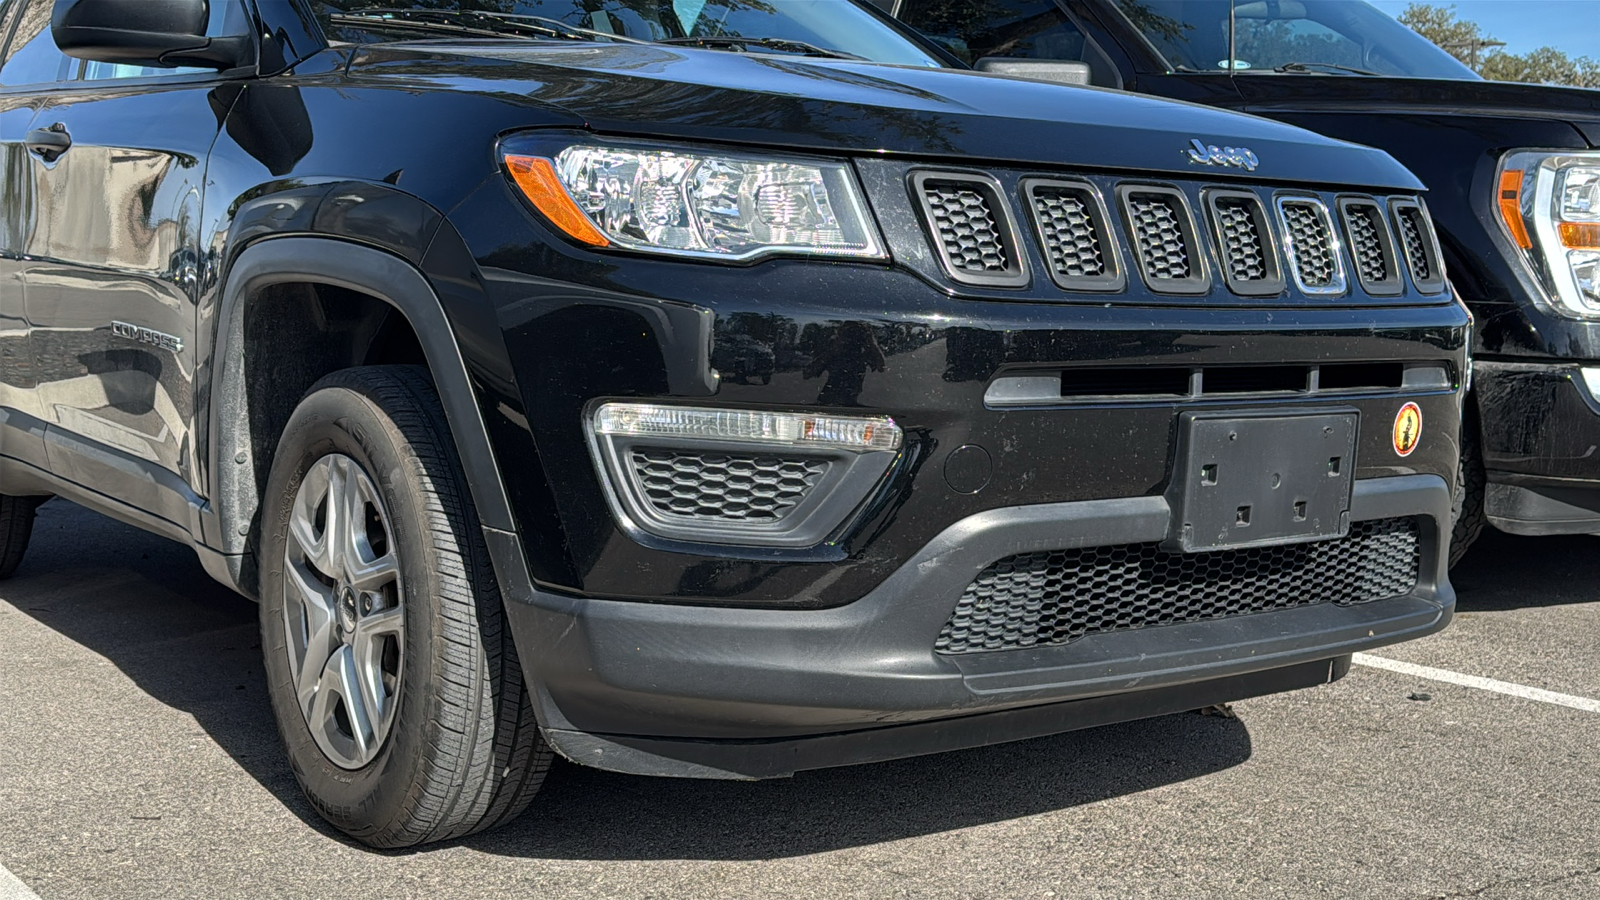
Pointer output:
x,y
480,24
1314,66
742,43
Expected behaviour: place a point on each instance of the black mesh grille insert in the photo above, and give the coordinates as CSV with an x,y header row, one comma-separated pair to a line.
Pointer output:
x,y
1158,236
724,486
1413,234
1053,597
1071,240
1311,243
969,235
1365,224
1243,250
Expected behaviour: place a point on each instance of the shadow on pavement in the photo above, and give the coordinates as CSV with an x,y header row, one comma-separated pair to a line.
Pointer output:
x,y
1506,572
144,604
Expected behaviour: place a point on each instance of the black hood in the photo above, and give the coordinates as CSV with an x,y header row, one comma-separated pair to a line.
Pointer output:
x,y
839,106
1272,94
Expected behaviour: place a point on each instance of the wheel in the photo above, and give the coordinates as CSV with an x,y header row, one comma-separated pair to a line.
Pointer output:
x,y
16,527
396,687
1467,510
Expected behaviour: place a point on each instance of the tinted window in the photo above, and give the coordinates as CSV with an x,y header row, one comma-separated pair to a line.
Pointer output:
x,y
833,25
1268,34
33,57
973,29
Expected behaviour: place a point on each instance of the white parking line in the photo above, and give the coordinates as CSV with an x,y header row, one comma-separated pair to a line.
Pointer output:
x,y
1474,681
12,888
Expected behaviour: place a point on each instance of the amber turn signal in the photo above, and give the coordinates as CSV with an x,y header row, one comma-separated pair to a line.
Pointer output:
x,y
539,183
1511,207
1580,235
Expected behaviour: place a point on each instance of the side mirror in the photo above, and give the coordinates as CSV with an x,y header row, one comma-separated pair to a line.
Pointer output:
x,y
1054,71
160,33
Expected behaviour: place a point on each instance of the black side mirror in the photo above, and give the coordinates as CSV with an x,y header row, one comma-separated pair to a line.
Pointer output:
x,y
160,33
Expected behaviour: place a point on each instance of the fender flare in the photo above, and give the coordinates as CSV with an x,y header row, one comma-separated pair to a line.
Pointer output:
x,y
395,281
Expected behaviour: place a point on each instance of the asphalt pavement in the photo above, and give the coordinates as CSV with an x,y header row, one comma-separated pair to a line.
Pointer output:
x,y
138,759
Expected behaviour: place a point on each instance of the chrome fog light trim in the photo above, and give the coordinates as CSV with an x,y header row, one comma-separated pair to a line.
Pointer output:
x,y
1591,380
696,475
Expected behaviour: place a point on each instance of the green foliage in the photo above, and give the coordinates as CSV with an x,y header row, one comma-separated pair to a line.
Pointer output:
x,y
1466,41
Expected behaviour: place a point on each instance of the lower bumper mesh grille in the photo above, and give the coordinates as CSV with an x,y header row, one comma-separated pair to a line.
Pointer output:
x,y
1053,597
725,486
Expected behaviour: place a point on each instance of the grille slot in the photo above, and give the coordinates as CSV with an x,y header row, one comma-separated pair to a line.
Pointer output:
x,y
971,228
1371,246
711,485
1416,237
1163,239
1244,243
1310,245
1055,597
1072,228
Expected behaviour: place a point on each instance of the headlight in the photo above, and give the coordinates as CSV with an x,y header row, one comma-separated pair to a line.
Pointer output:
x,y
720,206
1550,206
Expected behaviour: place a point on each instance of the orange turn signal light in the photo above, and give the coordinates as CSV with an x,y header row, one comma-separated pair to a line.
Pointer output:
x,y
1511,207
1580,235
539,183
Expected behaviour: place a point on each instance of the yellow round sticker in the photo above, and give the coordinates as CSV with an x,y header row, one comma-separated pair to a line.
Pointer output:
x,y
1407,429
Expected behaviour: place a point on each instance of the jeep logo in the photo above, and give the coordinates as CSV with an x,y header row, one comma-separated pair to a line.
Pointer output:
x,y
1228,157
146,336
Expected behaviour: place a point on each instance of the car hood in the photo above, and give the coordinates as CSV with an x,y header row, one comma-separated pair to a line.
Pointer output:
x,y
844,106
1409,96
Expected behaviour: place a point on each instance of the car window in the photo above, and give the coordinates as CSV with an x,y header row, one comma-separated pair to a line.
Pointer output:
x,y
973,29
832,25
1298,34
32,57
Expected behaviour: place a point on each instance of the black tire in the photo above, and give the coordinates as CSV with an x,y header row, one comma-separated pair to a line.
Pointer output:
x,y
1467,510
16,527
463,753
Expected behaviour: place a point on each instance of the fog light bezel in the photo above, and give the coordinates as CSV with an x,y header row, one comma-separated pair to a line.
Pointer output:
x,y
854,471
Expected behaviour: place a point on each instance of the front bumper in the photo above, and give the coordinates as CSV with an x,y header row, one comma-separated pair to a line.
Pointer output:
x,y
1541,431
718,692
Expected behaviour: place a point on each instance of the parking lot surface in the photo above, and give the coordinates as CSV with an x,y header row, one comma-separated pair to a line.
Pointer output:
x,y
138,758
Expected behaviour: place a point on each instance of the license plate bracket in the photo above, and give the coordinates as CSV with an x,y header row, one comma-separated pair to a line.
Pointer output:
x,y
1247,480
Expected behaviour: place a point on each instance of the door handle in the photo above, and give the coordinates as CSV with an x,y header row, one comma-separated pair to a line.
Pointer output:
x,y
49,143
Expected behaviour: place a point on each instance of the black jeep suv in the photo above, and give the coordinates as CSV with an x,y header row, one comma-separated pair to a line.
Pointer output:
x,y
1514,170
413,322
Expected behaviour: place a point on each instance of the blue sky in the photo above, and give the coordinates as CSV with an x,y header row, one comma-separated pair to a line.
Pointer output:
x,y
1569,25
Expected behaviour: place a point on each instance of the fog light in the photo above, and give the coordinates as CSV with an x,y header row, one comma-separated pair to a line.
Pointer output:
x,y
1591,380
696,475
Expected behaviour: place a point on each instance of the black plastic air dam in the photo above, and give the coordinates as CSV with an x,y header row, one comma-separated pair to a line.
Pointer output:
x,y
748,677
754,760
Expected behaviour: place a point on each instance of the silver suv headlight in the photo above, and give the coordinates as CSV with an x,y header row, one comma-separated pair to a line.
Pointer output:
x,y
1550,209
714,205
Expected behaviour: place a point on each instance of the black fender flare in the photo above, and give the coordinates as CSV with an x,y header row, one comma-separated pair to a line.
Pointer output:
x,y
321,260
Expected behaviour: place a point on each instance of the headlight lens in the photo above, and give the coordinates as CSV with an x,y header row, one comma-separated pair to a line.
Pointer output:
x,y
1550,206
711,206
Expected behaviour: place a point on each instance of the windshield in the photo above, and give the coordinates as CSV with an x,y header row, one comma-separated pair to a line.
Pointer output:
x,y
804,27
1325,37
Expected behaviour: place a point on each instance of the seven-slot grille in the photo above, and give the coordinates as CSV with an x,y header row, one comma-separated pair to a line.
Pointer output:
x,y
1308,241
970,219
711,485
1054,597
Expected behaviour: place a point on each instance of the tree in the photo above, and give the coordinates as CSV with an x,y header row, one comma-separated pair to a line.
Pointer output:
x,y
1468,42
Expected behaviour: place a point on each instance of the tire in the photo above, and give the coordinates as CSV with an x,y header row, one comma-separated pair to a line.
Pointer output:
x,y
451,747
16,527
1467,510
